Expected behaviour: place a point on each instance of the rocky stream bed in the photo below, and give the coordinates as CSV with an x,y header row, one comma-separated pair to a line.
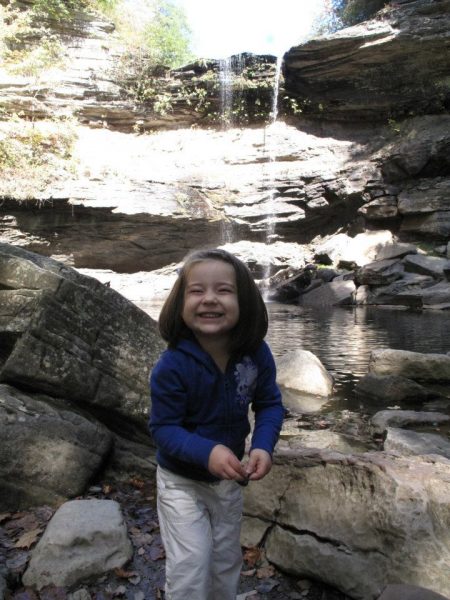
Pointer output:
x,y
143,577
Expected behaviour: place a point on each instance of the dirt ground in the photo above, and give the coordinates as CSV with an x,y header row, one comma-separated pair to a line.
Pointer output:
x,y
143,577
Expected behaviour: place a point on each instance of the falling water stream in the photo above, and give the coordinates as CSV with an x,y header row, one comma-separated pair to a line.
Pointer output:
x,y
269,136
229,69
342,338
268,175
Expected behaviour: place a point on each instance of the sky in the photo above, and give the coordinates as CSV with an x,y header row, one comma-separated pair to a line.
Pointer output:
x,y
221,28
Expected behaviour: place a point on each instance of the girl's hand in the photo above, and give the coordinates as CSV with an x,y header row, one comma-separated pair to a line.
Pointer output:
x,y
223,463
259,464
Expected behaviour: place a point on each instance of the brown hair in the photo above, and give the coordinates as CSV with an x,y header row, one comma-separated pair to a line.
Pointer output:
x,y
251,327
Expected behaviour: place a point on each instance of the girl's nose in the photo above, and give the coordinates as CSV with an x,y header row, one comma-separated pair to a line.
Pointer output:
x,y
210,297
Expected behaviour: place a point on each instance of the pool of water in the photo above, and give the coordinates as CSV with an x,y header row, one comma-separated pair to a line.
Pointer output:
x,y
343,339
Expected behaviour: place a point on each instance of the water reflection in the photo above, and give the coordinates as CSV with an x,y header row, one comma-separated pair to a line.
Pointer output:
x,y
343,338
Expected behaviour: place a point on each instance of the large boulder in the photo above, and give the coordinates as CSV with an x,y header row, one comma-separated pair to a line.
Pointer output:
x,y
357,522
426,265
84,538
301,370
380,272
364,247
413,365
382,420
335,293
392,388
69,336
409,443
402,591
48,452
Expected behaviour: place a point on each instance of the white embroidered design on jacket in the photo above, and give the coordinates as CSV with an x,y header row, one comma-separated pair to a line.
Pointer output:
x,y
245,373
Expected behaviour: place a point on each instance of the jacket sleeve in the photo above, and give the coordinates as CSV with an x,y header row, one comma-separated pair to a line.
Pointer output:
x,y
267,405
167,415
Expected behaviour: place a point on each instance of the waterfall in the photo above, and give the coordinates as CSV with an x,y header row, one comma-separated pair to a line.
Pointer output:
x,y
270,148
276,89
229,69
226,91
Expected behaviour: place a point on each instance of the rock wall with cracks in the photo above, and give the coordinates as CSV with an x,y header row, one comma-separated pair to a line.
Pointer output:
x,y
357,522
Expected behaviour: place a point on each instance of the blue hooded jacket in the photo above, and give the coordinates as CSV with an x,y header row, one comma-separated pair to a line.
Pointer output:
x,y
195,406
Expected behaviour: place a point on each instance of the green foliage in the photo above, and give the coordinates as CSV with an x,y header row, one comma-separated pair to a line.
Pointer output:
x,y
57,10
67,10
427,248
344,13
251,90
32,153
292,105
356,11
27,46
158,42
167,35
394,125
159,33
28,41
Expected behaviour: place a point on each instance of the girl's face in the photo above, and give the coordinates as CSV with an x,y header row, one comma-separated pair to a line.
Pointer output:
x,y
211,307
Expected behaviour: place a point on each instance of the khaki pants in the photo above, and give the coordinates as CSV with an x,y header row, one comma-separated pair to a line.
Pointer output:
x,y
200,527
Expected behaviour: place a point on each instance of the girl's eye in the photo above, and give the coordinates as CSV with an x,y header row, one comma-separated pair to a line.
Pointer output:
x,y
195,291
225,290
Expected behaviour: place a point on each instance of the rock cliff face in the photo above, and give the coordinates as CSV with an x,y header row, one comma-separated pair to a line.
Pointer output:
x,y
368,151
392,67
94,85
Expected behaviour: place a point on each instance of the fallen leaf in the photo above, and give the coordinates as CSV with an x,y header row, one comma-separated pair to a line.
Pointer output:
x,y
123,574
252,555
137,483
52,592
267,586
142,539
156,553
20,514
135,579
265,572
24,521
27,539
102,596
253,594
120,591
18,562
45,513
135,531
248,573
5,516
26,594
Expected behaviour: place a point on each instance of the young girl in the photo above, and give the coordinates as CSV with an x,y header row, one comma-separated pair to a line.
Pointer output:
x,y
217,363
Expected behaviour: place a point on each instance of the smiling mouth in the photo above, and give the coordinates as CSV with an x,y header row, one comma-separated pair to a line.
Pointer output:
x,y
210,315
